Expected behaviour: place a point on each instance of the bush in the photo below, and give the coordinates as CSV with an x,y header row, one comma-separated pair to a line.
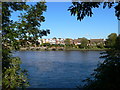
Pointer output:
x,y
107,74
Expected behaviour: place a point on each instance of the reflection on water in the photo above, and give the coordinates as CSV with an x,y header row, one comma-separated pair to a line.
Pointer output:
x,y
58,69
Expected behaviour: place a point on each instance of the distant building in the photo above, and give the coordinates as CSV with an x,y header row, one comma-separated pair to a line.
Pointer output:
x,y
93,42
71,41
68,41
77,41
96,40
52,41
40,41
60,41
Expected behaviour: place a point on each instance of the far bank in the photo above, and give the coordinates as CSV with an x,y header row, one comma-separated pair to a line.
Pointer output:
x,y
62,49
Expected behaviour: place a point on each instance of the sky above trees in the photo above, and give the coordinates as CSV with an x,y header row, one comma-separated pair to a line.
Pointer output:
x,y
63,25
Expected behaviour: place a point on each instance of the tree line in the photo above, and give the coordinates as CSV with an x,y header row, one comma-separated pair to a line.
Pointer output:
x,y
13,76
84,43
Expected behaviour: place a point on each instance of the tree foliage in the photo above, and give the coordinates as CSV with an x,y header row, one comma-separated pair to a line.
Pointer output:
x,y
45,44
110,42
106,75
83,9
27,27
101,45
67,41
84,43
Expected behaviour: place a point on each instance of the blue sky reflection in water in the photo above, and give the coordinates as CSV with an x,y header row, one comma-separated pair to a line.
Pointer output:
x,y
58,69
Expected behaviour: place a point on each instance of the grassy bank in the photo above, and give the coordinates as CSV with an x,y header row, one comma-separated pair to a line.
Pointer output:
x,y
92,49
67,49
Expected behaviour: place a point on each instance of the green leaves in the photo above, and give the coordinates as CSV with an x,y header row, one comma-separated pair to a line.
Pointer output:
x,y
117,11
29,24
110,42
16,34
13,76
106,75
83,9
67,41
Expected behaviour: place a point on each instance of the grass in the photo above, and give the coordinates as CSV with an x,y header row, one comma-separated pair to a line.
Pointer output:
x,y
71,49
94,48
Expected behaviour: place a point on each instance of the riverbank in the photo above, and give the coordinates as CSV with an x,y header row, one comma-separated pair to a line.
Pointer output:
x,y
75,49
62,49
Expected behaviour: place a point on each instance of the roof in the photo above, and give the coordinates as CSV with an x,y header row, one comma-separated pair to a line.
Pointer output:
x,y
96,40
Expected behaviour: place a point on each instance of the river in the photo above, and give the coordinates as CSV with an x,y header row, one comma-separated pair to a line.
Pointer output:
x,y
58,69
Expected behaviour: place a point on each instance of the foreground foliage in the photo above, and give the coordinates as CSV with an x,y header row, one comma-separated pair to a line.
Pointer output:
x,y
107,74
83,9
12,31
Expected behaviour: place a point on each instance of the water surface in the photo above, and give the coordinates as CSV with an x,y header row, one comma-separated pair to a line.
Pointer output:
x,y
58,69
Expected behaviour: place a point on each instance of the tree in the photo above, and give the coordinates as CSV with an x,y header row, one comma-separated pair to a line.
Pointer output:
x,y
83,9
110,42
45,44
37,43
117,43
84,43
54,38
101,45
106,75
67,41
28,26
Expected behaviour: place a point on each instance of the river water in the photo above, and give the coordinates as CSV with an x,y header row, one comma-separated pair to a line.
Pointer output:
x,y
58,69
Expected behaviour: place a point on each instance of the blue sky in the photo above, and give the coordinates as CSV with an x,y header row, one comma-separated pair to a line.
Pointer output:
x,y
63,25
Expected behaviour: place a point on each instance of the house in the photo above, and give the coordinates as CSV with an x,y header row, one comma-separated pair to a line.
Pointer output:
x,y
96,41
68,41
52,41
40,41
60,41
77,41
43,40
71,41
